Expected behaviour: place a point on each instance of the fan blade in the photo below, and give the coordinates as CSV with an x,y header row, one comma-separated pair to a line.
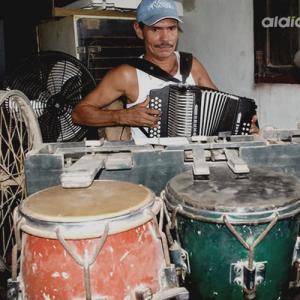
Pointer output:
x,y
60,73
50,127
72,86
70,131
31,84
39,104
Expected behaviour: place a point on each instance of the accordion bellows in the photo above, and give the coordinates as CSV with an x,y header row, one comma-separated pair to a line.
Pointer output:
x,y
192,110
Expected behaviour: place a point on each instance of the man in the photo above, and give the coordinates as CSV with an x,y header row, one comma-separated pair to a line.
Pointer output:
x,y
157,25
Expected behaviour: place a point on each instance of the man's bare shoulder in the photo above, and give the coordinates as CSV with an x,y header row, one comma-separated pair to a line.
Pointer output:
x,y
124,72
197,66
200,74
120,81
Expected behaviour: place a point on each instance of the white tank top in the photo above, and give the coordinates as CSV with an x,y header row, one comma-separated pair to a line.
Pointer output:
x,y
148,82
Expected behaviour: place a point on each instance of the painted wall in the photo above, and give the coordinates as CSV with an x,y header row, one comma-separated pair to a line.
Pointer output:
x,y
220,33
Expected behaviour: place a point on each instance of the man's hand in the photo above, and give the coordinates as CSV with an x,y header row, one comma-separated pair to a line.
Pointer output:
x,y
254,129
140,115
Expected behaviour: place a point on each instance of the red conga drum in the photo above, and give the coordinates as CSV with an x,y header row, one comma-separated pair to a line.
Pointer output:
x,y
102,242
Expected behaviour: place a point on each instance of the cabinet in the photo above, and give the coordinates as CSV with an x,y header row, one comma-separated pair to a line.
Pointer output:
x,y
100,42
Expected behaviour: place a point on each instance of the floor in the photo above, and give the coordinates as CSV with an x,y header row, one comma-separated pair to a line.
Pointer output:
x,y
293,294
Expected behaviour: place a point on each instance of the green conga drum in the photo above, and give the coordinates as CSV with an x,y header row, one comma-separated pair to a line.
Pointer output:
x,y
239,233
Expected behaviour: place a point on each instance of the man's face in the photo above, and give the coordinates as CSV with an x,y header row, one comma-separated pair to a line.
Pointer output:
x,y
161,38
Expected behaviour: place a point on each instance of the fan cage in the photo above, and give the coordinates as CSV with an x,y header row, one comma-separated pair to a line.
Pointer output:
x,y
54,82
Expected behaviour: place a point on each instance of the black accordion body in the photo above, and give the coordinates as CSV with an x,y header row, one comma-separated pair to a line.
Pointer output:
x,y
192,110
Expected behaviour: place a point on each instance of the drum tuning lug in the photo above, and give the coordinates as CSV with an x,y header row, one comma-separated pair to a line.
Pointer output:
x,y
180,258
238,268
296,255
13,290
246,277
259,280
238,281
296,265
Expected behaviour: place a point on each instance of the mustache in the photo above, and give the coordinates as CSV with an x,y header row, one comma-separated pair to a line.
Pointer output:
x,y
163,45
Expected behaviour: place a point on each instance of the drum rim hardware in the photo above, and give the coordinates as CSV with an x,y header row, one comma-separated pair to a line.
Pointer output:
x,y
168,278
296,264
248,274
85,262
236,215
179,256
88,229
257,217
100,186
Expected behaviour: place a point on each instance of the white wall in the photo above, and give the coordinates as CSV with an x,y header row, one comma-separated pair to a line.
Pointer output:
x,y
220,33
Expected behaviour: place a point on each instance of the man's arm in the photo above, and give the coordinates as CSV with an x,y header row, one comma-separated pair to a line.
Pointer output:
x,y
201,76
120,81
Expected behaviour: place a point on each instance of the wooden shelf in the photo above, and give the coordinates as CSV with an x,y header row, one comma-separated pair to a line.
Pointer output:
x,y
64,12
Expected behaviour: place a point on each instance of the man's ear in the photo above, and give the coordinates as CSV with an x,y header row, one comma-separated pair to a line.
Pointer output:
x,y
138,30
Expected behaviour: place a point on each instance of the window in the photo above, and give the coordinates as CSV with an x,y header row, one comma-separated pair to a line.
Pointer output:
x,y
276,40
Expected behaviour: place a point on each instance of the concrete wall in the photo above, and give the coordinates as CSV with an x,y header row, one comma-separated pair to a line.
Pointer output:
x,y
220,33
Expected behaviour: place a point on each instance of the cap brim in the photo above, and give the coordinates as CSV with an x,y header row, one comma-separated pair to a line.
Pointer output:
x,y
151,22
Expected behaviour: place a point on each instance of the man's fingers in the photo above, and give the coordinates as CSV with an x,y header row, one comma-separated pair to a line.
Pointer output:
x,y
145,103
254,119
153,119
148,120
152,111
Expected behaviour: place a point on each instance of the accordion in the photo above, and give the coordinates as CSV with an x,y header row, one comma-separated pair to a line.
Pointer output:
x,y
192,110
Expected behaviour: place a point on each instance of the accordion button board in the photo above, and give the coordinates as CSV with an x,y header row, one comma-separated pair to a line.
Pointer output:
x,y
192,110
156,103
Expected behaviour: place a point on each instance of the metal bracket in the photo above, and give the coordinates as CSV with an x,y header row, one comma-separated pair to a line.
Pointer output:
x,y
169,288
81,50
235,163
241,275
278,135
168,277
119,161
200,166
94,49
82,172
296,255
296,264
199,138
179,293
180,258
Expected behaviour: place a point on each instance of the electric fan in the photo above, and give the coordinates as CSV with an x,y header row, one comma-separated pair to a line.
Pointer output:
x,y
19,133
54,82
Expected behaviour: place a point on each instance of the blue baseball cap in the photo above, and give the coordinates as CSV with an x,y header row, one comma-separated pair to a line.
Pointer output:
x,y
150,12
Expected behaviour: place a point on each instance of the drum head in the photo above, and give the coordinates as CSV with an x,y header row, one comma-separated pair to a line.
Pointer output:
x,y
263,190
102,200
